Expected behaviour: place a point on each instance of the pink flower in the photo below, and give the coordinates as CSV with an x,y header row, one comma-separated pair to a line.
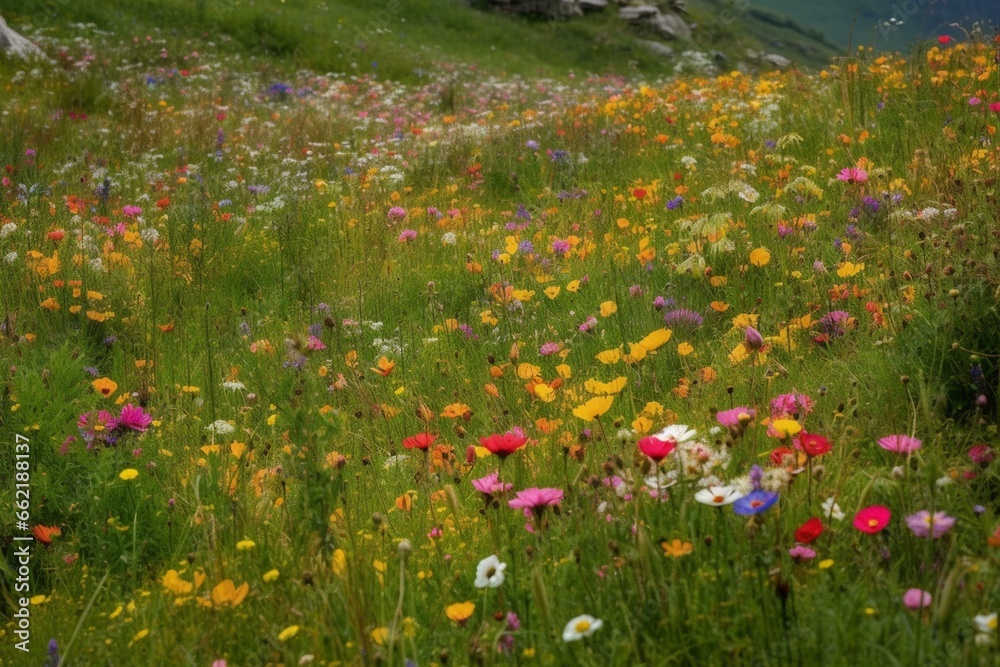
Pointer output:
x,y
489,485
853,175
315,344
995,107
982,454
536,500
132,418
730,418
925,524
397,213
902,444
655,448
872,519
916,598
752,339
801,553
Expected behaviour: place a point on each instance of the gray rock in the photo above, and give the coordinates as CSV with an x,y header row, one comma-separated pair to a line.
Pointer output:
x,y
779,62
13,44
547,8
670,26
592,5
638,12
657,48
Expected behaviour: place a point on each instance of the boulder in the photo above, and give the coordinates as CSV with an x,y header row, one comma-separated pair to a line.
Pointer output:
x,y
546,8
14,45
592,5
779,62
663,24
638,12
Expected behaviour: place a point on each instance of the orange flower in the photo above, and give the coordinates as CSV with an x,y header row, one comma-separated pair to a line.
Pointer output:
x,y
44,534
105,386
676,548
456,410
384,366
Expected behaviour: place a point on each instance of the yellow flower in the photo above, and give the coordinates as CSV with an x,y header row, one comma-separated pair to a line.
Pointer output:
x,y
128,474
460,611
826,564
656,339
609,356
760,257
685,349
288,633
245,545
608,308
594,408
271,575
613,387
173,583
379,635
676,548
339,562
226,593
786,428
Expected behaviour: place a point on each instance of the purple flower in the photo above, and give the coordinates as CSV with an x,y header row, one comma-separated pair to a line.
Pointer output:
x,y
676,202
756,475
407,235
397,213
549,348
683,318
560,247
755,502
925,524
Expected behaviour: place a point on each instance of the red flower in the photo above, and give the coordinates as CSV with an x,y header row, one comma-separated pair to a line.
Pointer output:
x,y
778,455
812,444
503,444
639,193
56,235
944,39
809,531
982,454
420,441
872,519
655,448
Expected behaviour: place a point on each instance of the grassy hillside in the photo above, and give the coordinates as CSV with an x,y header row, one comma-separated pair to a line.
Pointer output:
x,y
403,39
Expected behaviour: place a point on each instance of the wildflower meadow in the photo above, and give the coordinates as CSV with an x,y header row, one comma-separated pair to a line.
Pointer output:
x,y
485,369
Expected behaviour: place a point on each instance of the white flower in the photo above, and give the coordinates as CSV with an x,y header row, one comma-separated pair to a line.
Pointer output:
x,y
580,627
149,235
832,510
220,427
718,496
10,257
489,573
986,623
395,460
7,230
661,481
676,433
449,238
233,386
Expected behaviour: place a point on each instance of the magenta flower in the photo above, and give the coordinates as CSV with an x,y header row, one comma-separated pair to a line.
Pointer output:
x,y
901,444
916,598
132,418
397,213
730,418
925,524
490,485
752,339
852,175
872,519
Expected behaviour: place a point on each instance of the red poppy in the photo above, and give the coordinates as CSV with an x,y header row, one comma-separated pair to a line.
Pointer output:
x,y
503,444
44,534
812,444
163,202
420,441
944,39
639,193
778,455
655,448
56,235
809,531
872,519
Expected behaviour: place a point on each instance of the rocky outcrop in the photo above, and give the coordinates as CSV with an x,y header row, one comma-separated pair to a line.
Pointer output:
x,y
651,18
546,8
15,45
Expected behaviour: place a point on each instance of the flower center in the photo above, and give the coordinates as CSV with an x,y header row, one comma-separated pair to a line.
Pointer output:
x,y
718,499
872,523
582,626
756,503
490,572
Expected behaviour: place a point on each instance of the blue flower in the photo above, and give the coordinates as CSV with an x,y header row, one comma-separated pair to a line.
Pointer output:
x,y
755,502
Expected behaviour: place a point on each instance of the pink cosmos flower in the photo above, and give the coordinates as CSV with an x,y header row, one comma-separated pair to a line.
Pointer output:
x,y
730,418
872,519
925,524
901,444
490,485
853,175
916,598
535,500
